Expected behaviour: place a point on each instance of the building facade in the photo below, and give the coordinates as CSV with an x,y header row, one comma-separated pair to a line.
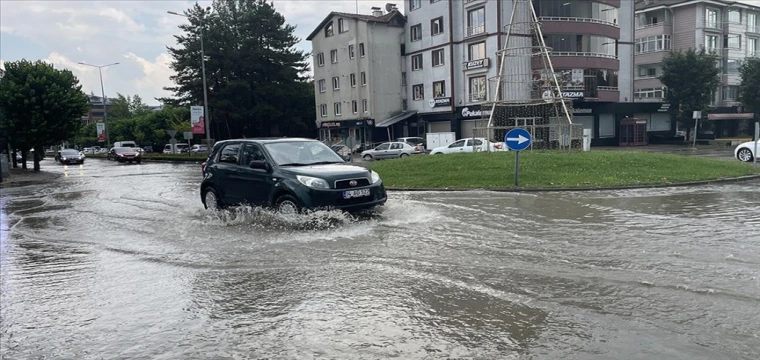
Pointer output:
x,y
729,29
357,61
96,113
451,59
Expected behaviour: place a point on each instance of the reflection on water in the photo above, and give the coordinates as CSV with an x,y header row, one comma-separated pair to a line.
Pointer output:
x,y
122,261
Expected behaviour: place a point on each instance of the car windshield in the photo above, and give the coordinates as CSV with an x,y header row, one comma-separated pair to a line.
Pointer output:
x,y
295,153
120,150
70,153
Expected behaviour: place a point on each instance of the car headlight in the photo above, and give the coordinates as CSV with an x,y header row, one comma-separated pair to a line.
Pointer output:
x,y
63,158
375,177
312,182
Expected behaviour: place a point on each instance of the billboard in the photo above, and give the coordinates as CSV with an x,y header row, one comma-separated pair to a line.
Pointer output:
x,y
100,131
197,120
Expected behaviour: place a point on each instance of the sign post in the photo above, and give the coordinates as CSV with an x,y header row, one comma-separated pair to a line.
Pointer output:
x,y
517,140
696,116
172,141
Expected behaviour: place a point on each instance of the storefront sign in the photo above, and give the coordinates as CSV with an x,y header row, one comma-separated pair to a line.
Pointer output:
x,y
467,113
664,108
440,102
370,122
572,94
582,111
476,64
332,124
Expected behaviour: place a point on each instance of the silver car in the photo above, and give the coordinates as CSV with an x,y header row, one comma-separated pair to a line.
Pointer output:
x,y
391,150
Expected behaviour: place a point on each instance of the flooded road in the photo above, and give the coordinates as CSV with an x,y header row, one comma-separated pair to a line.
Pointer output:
x,y
120,261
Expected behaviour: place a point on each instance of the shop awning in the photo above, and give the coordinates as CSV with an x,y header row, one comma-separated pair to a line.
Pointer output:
x,y
400,117
731,116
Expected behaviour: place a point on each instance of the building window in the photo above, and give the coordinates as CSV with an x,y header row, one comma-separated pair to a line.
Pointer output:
x,y
436,26
333,56
437,57
711,42
476,51
579,43
364,78
353,80
732,41
361,49
439,89
418,92
336,83
321,59
354,107
329,29
323,109
711,19
351,53
647,72
734,16
404,105
653,43
651,93
591,10
336,108
752,23
752,47
417,62
322,85
477,88
342,25
415,4
416,32
730,93
403,78
731,66
476,21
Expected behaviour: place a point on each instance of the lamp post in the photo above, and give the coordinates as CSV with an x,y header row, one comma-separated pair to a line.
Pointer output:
x,y
103,92
203,75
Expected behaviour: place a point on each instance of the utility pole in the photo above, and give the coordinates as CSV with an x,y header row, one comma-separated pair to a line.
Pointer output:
x,y
103,93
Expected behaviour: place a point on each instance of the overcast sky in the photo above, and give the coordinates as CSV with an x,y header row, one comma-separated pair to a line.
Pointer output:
x,y
133,33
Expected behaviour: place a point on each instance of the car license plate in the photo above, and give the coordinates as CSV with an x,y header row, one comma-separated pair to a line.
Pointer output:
x,y
355,193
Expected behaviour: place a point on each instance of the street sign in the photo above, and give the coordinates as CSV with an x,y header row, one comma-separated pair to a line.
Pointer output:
x,y
518,139
188,135
171,132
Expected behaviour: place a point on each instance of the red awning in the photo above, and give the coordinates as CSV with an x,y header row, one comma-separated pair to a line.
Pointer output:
x,y
736,116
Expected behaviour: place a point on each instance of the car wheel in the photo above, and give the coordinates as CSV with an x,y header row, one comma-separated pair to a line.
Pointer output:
x,y
744,155
367,157
288,205
138,161
403,155
211,200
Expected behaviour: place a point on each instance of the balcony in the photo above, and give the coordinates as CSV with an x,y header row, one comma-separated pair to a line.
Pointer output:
x,y
713,25
654,30
576,19
477,97
754,30
476,30
585,26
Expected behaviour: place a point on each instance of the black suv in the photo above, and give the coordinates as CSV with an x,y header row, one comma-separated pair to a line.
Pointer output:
x,y
289,174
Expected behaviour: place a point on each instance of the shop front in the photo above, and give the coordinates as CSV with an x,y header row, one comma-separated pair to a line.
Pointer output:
x,y
728,123
335,132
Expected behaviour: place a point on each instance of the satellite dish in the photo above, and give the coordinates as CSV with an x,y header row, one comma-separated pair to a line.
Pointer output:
x,y
389,7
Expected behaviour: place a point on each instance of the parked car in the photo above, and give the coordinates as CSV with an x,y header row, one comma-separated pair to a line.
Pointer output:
x,y
178,149
414,141
125,154
391,150
198,149
70,156
288,174
746,151
470,145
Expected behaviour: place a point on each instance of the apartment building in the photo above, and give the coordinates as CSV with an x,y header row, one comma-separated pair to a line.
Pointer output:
x,y
728,28
96,113
357,61
451,59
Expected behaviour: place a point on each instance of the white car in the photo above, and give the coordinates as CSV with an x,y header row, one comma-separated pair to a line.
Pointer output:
x,y
466,145
746,151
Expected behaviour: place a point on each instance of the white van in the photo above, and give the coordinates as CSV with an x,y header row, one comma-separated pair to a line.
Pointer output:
x,y
129,144
178,148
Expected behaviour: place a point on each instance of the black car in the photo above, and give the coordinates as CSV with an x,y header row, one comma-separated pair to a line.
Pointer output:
x,y
70,157
289,174
124,154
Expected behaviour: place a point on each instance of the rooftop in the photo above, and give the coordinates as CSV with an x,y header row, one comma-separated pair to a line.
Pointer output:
x,y
385,18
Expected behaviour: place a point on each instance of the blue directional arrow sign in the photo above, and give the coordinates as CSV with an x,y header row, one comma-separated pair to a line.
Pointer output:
x,y
518,139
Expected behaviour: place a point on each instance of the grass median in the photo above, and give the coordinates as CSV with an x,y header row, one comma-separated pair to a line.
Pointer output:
x,y
554,169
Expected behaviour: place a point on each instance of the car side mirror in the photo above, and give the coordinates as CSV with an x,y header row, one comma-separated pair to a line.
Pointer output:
x,y
259,164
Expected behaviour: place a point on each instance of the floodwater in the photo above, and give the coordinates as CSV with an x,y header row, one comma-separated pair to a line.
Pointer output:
x,y
120,261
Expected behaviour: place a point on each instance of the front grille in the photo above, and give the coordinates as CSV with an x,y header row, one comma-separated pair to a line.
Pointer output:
x,y
346,184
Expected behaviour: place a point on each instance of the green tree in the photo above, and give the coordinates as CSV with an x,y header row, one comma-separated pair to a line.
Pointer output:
x,y
41,105
749,93
254,73
691,78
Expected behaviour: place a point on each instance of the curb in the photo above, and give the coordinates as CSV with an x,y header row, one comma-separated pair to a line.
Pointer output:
x,y
631,187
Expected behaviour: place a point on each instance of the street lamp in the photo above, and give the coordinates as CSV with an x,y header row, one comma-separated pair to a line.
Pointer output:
x,y
103,92
205,94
